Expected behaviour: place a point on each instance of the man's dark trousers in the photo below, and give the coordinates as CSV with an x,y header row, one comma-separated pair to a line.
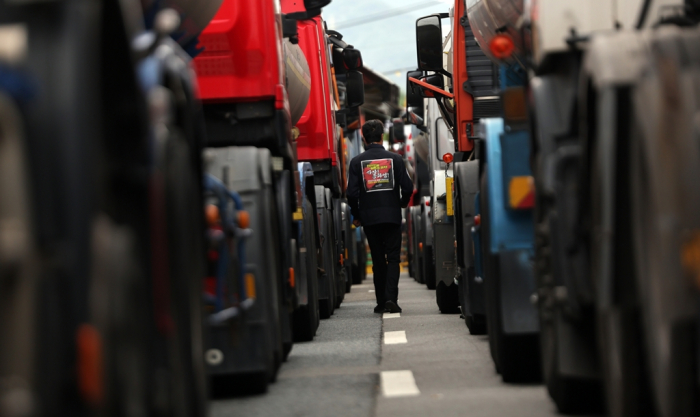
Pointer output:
x,y
385,245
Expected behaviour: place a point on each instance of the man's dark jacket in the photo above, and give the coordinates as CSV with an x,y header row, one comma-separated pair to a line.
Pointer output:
x,y
378,186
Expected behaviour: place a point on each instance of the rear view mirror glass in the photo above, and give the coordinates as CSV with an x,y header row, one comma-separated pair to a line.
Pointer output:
x,y
429,43
352,58
355,89
413,97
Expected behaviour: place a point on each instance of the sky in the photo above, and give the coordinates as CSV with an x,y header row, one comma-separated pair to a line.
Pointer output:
x,y
388,43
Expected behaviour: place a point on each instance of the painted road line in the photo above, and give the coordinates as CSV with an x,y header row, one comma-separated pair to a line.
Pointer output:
x,y
398,384
371,290
391,315
393,338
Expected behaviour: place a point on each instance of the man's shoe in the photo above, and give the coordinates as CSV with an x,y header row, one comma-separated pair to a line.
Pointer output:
x,y
379,309
392,307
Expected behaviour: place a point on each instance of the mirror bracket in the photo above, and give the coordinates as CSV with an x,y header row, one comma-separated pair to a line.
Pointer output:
x,y
309,14
289,29
432,88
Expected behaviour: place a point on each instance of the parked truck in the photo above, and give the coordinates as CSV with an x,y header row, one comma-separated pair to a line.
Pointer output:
x,y
102,216
488,196
251,107
615,255
333,68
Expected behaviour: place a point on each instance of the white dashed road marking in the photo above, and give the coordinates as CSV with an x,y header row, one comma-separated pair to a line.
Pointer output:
x,y
393,338
371,290
391,315
398,384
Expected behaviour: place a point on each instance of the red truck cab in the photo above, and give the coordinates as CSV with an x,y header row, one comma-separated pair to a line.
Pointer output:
x,y
241,78
318,138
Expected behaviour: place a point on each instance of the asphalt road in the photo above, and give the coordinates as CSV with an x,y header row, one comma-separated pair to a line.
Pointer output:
x,y
422,363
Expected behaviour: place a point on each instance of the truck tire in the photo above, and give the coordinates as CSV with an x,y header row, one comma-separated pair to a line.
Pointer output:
x,y
447,298
664,192
414,212
337,233
285,256
571,395
510,353
306,318
19,269
327,305
185,255
428,267
356,275
362,256
476,324
626,380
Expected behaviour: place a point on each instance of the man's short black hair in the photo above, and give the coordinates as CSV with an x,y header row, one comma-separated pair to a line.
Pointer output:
x,y
373,131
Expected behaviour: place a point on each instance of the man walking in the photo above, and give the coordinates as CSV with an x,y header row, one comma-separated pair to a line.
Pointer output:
x,y
378,187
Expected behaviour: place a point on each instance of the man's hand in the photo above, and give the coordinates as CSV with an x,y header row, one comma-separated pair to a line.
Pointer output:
x,y
356,223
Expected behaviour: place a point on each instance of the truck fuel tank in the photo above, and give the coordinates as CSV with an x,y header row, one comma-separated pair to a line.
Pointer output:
x,y
298,79
491,18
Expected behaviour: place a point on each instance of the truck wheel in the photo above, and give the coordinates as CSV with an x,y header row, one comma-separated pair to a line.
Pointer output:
x,y
664,192
306,317
626,382
348,277
429,267
327,305
186,258
285,256
19,268
356,275
325,309
447,298
571,395
476,324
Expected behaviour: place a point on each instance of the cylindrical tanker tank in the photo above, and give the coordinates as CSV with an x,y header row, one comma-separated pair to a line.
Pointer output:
x,y
489,18
195,15
298,80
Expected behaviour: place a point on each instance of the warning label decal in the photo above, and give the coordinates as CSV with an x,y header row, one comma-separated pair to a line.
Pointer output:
x,y
378,175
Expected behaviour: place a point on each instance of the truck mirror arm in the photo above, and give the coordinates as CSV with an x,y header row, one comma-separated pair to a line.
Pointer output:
x,y
289,29
432,88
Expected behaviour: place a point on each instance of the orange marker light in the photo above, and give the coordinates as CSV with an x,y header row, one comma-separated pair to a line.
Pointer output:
x,y
292,278
477,220
448,158
250,286
243,219
502,46
211,213
420,245
90,378
521,192
427,203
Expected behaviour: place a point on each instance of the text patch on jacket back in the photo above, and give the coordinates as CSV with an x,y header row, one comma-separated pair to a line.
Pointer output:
x,y
378,175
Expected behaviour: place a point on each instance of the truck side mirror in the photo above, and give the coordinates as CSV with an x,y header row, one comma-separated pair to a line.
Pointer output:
x,y
399,135
313,7
436,80
429,43
413,97
352,58
355,89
